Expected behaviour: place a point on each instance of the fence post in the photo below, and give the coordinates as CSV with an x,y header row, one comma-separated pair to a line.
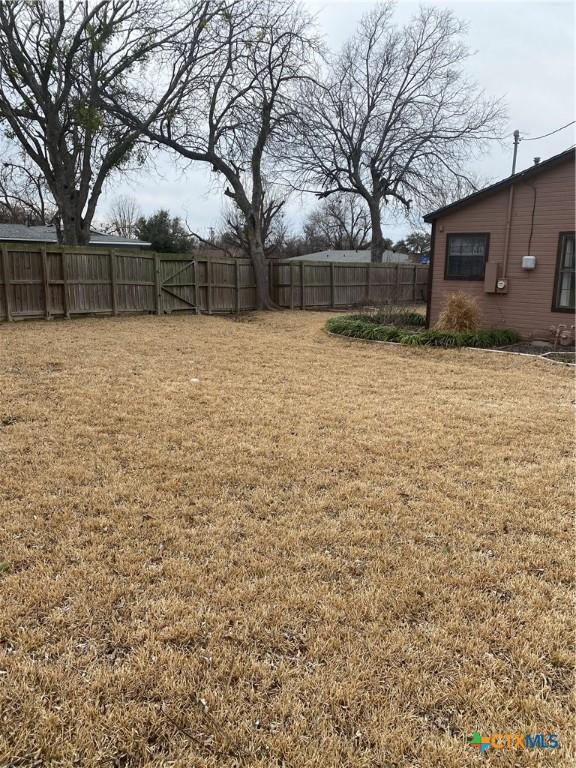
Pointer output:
x,y
66,290
397,299
302,284
46,289
209,286
196,291
368,282
237,272
415,272
332,296
291,268
6,282
113,282
157,286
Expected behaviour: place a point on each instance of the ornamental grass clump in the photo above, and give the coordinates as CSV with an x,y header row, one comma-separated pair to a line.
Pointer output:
x,y
460,313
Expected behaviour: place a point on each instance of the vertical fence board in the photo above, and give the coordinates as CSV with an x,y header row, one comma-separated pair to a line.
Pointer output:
x,y
113,291
157,288
6,277
196,291
237,278
332,294
368,281
45,285
65,284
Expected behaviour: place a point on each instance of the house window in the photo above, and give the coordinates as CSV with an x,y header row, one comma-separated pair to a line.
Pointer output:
x,y
565,280
466,256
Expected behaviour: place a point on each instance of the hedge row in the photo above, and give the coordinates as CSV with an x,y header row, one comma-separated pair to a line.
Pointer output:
x,y
364,329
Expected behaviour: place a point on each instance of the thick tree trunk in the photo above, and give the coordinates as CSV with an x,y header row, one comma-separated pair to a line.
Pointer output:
x,y
259,263
74,229
377,247
71,234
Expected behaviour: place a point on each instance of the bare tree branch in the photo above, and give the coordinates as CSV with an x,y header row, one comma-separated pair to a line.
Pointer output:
x,y
341,222
124,216
24,197
236,233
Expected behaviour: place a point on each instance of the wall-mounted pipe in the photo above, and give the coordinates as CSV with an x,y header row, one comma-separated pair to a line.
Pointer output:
x,y
507,231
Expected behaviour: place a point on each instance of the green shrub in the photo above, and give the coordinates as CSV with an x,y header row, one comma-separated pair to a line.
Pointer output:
x,y
361,328
394,316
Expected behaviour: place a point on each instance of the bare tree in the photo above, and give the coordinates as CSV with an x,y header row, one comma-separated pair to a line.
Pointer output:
x,y
226,111
124,216
24,197
235,232
394,117
341,221
55,59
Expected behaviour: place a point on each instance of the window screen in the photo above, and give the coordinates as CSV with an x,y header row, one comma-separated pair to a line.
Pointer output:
x,y
565,281
466,256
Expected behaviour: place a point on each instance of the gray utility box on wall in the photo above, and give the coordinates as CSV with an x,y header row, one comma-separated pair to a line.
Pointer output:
x,y
490,276
528,262
492,282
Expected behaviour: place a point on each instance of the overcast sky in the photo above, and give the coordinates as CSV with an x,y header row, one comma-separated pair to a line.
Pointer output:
x,y
524,51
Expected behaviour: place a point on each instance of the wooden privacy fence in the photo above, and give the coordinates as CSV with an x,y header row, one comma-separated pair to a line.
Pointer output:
x,y
309,285
56,281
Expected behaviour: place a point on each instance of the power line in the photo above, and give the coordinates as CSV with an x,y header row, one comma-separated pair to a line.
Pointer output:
x,y
535,138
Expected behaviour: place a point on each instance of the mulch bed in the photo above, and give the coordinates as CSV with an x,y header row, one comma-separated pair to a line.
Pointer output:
x,y
543,350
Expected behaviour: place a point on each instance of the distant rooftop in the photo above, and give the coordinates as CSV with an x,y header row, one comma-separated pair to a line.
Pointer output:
x,y
364,256
44,234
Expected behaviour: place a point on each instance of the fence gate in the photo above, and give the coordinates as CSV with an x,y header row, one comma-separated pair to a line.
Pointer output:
x,y
177,284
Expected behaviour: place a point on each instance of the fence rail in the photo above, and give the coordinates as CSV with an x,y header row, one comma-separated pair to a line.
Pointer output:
x,y
57,281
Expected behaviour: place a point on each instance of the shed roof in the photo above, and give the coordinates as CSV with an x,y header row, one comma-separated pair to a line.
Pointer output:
x,y
545,165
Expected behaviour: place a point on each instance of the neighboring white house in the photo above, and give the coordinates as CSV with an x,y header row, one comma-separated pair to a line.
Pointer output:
x,y
388,257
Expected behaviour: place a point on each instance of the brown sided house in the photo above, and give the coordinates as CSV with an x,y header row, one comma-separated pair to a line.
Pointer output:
x,y
511,246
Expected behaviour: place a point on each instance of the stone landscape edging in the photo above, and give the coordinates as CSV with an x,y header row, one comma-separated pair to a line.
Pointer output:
x,y
431,346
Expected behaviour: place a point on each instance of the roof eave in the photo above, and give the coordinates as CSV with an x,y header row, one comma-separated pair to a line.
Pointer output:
x,y
502,184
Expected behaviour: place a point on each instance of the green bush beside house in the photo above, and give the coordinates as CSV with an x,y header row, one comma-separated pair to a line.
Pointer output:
x,y
361,327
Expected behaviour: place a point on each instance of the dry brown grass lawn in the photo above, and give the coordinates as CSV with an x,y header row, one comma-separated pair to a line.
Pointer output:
x,y
322,553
